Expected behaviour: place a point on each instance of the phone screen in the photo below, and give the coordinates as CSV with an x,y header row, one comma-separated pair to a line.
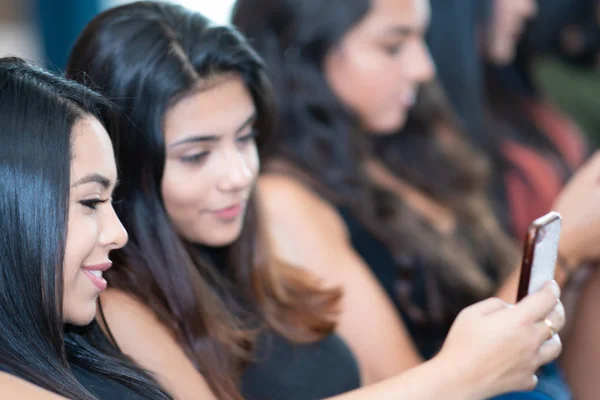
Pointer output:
x,y
545,253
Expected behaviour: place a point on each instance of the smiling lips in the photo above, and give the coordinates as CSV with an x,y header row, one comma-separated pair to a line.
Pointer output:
x,y
94,272
229,213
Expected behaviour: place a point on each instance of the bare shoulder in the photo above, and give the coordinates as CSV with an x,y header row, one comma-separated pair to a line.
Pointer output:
x,y
119,305
288,202
12,387
140,334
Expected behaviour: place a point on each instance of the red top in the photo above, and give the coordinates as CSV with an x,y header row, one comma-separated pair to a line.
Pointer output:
x,y
532,189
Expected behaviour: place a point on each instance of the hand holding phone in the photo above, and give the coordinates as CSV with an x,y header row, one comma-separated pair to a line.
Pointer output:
x,y
540,254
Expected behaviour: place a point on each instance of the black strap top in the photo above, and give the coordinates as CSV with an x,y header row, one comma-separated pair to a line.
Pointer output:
x,y
374,253
293,371
102,388
288,371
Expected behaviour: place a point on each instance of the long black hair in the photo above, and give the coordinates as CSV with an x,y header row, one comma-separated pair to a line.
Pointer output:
x,y
145,56
322,138
37,113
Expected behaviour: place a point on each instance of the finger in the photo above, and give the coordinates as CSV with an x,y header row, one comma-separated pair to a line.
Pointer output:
x,y
531,383
488,306
536,306
549,351
551,324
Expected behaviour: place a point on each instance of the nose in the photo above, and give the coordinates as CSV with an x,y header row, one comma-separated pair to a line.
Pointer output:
x,y
113,235
237,172
420,67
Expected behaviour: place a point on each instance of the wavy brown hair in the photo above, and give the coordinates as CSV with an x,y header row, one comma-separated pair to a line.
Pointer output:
x,y
145,56
321,138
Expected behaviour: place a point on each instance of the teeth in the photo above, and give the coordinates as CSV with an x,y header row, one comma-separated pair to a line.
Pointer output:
x,y
97,274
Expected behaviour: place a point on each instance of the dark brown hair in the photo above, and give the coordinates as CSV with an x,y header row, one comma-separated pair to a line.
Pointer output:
x,y
319,136
144,56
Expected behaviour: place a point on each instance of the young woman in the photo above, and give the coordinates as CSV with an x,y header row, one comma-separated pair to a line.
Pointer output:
x,y
58,228
404,215
221,317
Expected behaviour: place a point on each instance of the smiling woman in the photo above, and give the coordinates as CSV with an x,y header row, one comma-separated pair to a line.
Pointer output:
x,y
57,174
193,184
93,229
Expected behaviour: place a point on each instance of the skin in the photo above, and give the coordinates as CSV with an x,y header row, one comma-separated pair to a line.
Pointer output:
x,y
378,65
212,161
94,229
508,21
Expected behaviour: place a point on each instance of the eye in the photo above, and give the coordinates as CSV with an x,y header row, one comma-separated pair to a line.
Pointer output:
x,y
194,158
393,50
247,138
93,203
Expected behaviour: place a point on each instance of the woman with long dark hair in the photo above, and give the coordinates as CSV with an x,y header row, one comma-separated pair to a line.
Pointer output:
x,y
404,215
536,151
221,316
58,227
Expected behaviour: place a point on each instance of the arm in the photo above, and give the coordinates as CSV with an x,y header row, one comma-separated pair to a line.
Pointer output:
x,y
429,381
491,349
155,350
12,387
308,233
578,205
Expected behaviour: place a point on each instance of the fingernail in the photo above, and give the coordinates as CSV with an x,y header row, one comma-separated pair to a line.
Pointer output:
x,y
555,288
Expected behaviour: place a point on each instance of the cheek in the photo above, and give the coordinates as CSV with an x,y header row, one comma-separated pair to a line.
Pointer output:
x,y
185,192
366,83
82,238
78,295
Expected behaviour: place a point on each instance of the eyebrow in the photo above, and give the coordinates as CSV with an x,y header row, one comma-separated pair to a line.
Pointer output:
x,y
213,138
93,178
402,30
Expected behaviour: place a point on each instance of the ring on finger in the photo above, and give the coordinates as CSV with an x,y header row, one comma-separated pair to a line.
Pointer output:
x,y
551,327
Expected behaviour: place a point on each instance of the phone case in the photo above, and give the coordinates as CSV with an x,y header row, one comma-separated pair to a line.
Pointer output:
x,y
541,251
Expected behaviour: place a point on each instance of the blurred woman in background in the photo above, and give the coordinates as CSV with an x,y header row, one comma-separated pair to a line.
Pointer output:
x,y
404,215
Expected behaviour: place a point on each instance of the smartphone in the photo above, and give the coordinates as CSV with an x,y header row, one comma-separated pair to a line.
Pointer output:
x,y
540,254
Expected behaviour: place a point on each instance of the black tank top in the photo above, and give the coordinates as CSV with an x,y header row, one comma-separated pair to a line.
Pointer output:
x,y
428,338
283,370
100,387
289,371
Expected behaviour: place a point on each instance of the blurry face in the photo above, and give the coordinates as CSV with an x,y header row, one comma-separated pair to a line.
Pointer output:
x,y
379,64
212,161
507,23
94,229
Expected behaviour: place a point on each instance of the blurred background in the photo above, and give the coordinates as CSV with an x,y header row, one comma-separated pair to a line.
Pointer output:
x,y
44,30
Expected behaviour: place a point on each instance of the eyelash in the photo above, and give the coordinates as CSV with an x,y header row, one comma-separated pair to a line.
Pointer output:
x,y
93,203
197,158
393,50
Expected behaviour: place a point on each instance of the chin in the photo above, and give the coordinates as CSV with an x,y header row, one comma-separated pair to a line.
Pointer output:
x,y
388,127
222,237
503,56
81,317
